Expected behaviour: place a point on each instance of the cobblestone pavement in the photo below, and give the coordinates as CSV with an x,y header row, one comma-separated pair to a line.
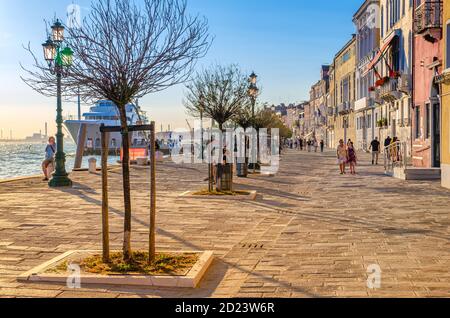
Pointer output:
x,y
310,233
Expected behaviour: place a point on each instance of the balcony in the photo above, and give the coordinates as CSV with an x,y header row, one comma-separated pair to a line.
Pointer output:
x,y
428,18
388,91
444,77
346,107
364,103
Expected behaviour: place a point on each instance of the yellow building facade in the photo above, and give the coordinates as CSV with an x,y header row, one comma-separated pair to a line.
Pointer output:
x,y
445,84
331,110
345,92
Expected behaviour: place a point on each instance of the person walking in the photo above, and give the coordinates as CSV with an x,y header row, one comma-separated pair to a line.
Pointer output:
x,y
50,152
301,144
322,146
342,156
351,158
316,145
375,147
387,144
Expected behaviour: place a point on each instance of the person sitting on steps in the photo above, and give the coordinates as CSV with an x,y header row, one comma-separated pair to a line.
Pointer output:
x,y
50,152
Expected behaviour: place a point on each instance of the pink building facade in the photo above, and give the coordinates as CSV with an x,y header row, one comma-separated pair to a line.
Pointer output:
x,y
426,130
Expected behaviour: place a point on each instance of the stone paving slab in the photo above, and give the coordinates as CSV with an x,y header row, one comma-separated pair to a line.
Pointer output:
x,y
310,232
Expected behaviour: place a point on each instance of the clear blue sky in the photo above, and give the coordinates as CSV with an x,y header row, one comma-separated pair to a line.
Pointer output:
x,y
283,41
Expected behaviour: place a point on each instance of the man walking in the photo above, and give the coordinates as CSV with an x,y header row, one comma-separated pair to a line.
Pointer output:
x,y
375,147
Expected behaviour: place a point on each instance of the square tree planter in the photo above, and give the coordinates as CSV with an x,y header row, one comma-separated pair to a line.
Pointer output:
x,y
193,277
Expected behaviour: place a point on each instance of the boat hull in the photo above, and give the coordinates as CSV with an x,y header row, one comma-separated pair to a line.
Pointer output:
x,y
92,145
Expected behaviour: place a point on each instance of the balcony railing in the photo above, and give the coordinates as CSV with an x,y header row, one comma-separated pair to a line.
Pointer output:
x,y
428,16
389,90
346,107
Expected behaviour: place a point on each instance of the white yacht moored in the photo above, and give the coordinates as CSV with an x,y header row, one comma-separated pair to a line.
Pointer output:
x,y
106,112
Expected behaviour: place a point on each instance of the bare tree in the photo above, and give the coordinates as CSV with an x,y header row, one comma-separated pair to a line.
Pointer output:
x,y
219,92
124,51
223,89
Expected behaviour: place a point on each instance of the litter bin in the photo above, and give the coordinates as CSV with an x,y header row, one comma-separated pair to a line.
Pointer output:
x,y
225,177
241,170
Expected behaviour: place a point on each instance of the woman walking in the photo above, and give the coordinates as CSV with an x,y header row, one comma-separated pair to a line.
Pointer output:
x,y
342,156
351,152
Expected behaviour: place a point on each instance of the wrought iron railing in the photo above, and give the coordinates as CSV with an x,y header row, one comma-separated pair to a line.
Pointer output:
x,y
389,86
395,156
428,16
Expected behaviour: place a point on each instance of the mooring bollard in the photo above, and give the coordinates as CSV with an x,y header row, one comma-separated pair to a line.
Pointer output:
x,y
92,165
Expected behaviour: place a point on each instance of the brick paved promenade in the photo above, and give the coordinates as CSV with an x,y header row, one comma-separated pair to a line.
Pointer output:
x,y
311,232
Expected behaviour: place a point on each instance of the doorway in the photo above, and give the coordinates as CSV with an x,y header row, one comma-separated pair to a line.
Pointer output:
x,y
436,133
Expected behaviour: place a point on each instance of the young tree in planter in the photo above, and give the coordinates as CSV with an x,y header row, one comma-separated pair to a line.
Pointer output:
x,y
220,92
265,118
124,51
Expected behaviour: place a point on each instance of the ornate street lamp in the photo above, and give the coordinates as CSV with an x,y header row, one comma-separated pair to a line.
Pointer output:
x,y
202,107
253,91
58,59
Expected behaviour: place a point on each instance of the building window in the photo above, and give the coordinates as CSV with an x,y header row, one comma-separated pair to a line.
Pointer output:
x,y
346,57
427,121
417,119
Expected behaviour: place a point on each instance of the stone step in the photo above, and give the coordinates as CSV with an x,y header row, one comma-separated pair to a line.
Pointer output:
x,y
423,173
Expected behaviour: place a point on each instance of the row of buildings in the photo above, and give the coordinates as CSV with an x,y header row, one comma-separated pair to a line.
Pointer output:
x,y
392,78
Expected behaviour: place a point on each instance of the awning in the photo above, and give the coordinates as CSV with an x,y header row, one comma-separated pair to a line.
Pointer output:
x,y
382,51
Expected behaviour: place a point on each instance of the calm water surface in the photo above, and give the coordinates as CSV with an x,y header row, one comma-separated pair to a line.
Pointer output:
x,y
24,159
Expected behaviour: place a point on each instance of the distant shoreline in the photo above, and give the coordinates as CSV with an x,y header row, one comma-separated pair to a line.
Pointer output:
x,y
24,141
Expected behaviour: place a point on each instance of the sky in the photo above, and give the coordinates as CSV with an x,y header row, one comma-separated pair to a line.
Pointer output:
x,y
283,41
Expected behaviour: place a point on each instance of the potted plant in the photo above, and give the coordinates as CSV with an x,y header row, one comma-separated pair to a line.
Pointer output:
x,y
394,74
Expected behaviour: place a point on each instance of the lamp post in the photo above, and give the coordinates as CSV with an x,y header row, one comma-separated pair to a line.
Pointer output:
x,y
202,107
253,91
59,58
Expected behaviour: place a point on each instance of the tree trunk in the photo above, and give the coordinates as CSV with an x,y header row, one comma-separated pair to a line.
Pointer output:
x,y
127,254
152,234
219,163
105,204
